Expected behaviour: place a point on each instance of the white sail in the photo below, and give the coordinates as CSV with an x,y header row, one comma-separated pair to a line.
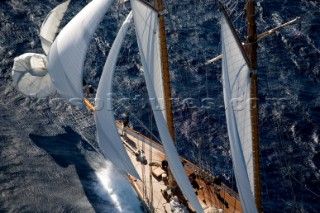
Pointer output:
x,y
108,137
68,51
30,75
236,90
146,23
147,32
50,25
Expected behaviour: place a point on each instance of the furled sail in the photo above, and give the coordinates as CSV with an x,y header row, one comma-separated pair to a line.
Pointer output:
x,y
30,75
146,24
108,137
68,51
236,90
50,25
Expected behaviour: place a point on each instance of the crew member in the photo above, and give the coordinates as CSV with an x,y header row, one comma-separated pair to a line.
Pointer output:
x,y
194,183
124,125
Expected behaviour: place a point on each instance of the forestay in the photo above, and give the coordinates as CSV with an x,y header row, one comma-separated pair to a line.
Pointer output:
x,y
50,25
68,51
236,90
146,24
108,137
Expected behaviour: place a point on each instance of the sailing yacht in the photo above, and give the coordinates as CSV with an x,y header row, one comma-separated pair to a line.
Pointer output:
x,y
163,180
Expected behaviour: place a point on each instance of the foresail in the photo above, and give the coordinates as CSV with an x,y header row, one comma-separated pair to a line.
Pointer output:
x,y
50,25
147,32
146,23
236,90
68,51
108,137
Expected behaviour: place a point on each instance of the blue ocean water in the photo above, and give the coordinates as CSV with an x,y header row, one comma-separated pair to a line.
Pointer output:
x,y
49,161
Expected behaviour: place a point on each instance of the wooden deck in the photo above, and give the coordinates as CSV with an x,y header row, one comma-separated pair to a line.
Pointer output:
x,y
213,198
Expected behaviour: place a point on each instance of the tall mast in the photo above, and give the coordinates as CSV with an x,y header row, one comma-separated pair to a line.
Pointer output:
x,y
165,69
166,78
251,48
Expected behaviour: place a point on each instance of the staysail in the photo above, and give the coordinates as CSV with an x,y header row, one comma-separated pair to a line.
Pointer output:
x,y
68,51
50,25
146,24
236,90
108,137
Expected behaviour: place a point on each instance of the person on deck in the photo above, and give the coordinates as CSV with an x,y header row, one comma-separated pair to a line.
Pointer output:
x,y
88,90
217,183
125,123
164,165
194,183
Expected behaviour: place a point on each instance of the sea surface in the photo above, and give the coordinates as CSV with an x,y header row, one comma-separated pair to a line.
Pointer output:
x,y
49,156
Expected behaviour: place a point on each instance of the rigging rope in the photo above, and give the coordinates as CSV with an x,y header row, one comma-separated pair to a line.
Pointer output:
x,y
150,168
198,130
289,173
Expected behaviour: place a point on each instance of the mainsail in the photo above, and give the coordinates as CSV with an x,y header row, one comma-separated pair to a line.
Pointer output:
x,y
50,25
108,137
146,24
147,32
67,54
236,90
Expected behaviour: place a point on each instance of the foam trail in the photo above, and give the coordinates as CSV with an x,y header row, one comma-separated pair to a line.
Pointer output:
x,y
114,185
